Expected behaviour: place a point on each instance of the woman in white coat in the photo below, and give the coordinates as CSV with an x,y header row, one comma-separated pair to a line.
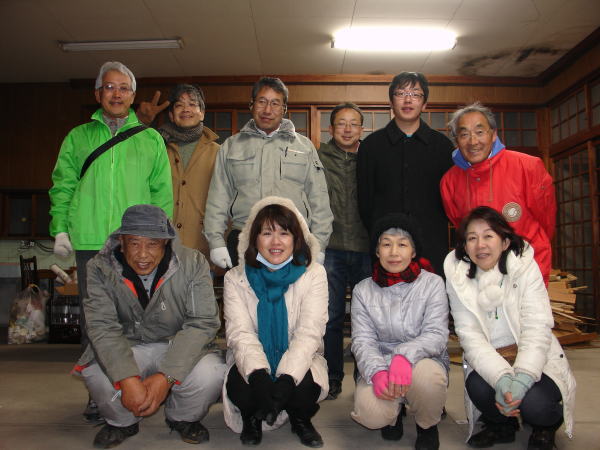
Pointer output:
x,y
514,366
275,306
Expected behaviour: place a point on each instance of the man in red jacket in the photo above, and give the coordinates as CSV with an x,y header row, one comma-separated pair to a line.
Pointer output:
x,y
513,183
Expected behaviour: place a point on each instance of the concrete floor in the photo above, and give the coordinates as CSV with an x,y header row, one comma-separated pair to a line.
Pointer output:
x,y
41,405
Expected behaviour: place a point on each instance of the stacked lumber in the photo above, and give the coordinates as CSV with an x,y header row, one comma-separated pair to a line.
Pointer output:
x,y
563,296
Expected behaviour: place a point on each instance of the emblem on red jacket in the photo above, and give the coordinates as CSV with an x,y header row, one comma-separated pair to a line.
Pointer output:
x,y
512,212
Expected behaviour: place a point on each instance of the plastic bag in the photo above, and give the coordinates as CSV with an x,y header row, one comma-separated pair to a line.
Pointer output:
x,y
27,320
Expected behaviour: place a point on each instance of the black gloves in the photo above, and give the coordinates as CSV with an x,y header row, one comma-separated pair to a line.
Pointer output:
x,y
262,388
283,389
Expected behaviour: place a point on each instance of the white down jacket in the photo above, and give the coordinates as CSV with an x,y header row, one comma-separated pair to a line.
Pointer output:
x,y
306,301
527,309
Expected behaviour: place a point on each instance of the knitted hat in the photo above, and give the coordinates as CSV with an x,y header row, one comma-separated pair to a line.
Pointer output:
x,y
396,220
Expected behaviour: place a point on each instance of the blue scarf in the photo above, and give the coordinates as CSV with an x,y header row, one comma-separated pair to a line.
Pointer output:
x,y
461,162
271,311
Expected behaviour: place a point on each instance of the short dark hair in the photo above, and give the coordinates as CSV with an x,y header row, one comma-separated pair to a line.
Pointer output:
x,y
287,220
195,92
409,79
499,225
271,82
342,106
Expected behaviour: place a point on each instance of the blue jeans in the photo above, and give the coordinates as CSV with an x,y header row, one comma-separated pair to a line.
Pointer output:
x,y
344,268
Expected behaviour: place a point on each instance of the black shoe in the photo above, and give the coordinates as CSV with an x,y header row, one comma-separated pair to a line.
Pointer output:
x,y
252,431
91,414
495,433
335,389
190,432
541,439
307,433
110,436
393,432
427,439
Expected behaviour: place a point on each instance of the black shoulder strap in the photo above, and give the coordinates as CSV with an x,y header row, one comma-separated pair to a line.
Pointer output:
x,y
108,144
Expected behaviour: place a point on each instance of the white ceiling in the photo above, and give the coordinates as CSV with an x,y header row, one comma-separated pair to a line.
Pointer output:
x,y
243,37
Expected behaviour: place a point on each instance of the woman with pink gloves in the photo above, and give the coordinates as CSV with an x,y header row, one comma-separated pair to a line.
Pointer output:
x,y
399,336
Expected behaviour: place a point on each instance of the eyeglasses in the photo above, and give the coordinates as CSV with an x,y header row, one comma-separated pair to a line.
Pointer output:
x,y
262,103
110,87
410,94
479,134
343,125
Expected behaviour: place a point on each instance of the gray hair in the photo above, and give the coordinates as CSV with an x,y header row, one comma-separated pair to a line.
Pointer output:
x,y
395,231
117,66
474,107
271,82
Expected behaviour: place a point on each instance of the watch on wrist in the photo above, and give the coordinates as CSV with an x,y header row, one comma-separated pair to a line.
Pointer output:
x,y
171,380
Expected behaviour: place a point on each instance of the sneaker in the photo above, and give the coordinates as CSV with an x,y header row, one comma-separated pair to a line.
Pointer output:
x,y
335,389
427,438
393,432
190,432
110,436
494,433
91,414
541,439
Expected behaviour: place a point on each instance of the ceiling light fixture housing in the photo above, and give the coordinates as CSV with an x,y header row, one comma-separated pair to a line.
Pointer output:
x,y
121,45
394,39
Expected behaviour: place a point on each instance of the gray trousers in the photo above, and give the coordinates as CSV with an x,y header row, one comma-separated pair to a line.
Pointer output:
x,y
188,401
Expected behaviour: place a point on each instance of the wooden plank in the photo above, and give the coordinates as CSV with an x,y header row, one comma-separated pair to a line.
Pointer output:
x,y
575,338
563,298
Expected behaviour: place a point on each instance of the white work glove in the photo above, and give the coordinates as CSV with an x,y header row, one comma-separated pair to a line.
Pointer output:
x,y
62,245
321,258
220,256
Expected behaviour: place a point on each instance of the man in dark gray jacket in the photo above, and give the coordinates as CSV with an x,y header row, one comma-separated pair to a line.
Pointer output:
x,y
151,319
347,259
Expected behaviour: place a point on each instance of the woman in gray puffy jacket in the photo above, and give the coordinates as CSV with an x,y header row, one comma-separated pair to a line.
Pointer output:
x,y
399,336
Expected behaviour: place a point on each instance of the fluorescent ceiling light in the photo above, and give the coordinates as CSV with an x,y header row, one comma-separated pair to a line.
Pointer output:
x,y
120,45
394,39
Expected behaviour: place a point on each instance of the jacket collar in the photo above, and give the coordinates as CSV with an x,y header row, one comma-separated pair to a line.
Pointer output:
x,y
395,134
461,162
132,119
286,129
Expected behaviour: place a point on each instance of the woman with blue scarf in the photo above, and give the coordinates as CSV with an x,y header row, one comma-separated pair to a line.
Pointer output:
x,y
275,306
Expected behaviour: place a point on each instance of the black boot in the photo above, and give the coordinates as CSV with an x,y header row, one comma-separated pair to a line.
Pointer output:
x,y
495,433
542,438
110,436
92,414
427,438
393,432
307,433
335,389
190,432
252,430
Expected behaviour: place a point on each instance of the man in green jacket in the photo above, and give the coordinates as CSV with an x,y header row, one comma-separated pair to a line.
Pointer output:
x,y
85,211
347,259
151,319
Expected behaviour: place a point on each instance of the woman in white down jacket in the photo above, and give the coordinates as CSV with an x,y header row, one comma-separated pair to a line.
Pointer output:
x,y
514,366
275,306
399,336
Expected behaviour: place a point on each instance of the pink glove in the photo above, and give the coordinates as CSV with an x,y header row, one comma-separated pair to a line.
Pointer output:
x,y
380,382
400,371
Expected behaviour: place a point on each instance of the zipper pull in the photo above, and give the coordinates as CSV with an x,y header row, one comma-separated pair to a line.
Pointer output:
x,y
163,306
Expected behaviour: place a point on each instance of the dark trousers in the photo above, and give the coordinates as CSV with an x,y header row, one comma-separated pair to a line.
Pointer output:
x,y
232,242
344,268
81,259
541,406
302,404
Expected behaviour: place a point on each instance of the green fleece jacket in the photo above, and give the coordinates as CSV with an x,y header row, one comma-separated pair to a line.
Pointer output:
x,y
133,172
181,311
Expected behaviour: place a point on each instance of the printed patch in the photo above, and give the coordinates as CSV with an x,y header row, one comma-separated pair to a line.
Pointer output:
x,y
512,211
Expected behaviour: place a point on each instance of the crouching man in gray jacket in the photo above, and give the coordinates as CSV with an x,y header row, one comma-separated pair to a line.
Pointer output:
x,y
151,318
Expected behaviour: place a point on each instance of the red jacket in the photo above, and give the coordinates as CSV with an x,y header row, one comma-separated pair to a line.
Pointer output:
x,y
515,184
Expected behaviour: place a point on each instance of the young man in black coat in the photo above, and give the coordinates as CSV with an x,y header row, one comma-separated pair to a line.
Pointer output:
x,y
400,166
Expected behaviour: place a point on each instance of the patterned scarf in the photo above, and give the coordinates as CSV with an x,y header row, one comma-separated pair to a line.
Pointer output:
x,y
172,133
271,311
385,279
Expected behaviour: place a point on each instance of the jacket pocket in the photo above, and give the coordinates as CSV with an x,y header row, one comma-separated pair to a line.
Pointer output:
x,y
241,166
294,164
